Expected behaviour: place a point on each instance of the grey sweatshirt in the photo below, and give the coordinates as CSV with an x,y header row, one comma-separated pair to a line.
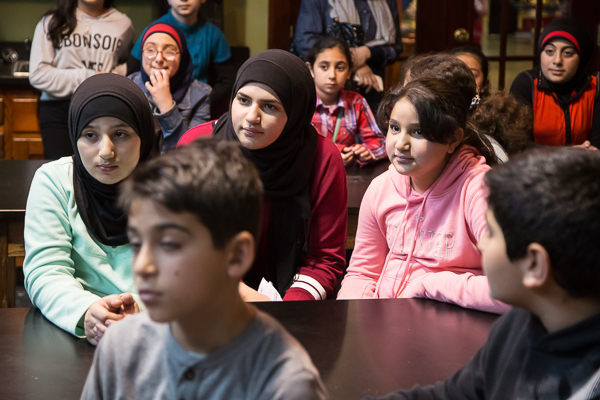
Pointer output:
x,y
96,45
138,358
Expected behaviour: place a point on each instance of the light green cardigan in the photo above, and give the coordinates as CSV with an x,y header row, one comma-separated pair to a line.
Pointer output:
x,y
66,269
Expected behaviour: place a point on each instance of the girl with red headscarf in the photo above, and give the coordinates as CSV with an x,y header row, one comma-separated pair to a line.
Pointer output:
x,y
178,101
560,90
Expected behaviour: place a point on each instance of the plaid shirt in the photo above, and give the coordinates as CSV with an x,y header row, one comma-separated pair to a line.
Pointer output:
x,y
357,125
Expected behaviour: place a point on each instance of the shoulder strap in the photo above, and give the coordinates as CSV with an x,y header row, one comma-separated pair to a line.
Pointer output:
x,y
337,124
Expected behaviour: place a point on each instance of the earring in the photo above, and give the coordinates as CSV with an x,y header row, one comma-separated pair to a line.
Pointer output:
x,y
474,102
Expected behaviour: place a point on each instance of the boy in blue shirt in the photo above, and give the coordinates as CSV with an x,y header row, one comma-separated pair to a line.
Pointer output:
x,y
541,255
193,215
207,45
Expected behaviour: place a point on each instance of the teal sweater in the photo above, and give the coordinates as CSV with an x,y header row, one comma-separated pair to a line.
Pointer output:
x,y
66,269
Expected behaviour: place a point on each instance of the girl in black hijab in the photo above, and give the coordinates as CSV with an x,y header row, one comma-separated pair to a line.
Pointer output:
x,y
78,260
560,90
302,247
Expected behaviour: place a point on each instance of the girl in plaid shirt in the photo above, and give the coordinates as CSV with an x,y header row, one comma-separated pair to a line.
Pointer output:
x,y
343,116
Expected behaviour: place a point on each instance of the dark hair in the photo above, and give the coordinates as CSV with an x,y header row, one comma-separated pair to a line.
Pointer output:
x,y
442,108
552,197
209,178
329,42
505,119
410,63
483,61
444,67
63,20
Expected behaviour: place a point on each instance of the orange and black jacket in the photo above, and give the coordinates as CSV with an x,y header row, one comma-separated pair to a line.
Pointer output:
x,y
558,123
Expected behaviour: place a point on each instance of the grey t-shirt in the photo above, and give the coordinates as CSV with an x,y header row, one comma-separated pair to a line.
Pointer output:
x,y
139,359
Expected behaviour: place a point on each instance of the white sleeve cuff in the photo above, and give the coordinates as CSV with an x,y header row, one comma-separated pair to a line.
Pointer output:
x,y
311,285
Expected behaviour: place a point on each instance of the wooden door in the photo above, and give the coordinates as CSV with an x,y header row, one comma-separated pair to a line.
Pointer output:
x,y
282,21
441,24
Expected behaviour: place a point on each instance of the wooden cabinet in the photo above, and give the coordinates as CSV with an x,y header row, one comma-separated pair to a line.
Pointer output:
x,y
20,128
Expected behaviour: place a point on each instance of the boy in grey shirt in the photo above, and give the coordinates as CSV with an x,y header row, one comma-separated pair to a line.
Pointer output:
x,y
193,216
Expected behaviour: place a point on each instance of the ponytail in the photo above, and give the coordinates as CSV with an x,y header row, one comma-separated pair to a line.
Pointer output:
x,y
481,143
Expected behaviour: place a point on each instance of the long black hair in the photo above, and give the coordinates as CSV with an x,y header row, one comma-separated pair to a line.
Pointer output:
x,y
63,20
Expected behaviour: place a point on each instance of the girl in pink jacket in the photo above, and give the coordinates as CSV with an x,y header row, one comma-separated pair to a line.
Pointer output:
x,y
420,221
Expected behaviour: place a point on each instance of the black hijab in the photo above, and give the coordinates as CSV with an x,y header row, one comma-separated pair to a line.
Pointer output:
x,y
284,165
108,95
575,33
181,81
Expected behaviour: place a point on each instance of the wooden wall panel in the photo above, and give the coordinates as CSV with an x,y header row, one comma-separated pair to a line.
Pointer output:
x,y
25,117
21,132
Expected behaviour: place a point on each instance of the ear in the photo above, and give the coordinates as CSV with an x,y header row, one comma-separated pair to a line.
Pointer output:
x,y
535,266
459,134
310,69
241,255
485,87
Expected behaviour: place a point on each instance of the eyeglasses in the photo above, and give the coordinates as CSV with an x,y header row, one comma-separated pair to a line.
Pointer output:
x,y
168,54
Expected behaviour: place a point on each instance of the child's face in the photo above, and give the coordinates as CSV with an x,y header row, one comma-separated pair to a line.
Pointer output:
x,y
504,276
185,8
257,115
109,149
475,67
412,154
559,61
330,72
178,271
165,52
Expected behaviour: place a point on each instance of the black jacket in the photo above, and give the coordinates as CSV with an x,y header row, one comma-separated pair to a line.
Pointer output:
x,y
521,360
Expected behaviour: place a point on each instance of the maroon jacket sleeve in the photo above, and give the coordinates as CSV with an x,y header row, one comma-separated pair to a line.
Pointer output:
x,y
324,262
201,130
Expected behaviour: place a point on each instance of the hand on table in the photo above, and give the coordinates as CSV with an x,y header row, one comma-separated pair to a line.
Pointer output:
x,y
106,311
160,89
367,78
356,152
586,145
249,294
347,155
362,153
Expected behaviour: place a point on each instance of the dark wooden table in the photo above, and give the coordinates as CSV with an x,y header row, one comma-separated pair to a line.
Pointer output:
x,y
15,179
361,347
358,180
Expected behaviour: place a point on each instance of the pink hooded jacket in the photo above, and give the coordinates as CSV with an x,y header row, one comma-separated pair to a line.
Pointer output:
x,y
432,236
